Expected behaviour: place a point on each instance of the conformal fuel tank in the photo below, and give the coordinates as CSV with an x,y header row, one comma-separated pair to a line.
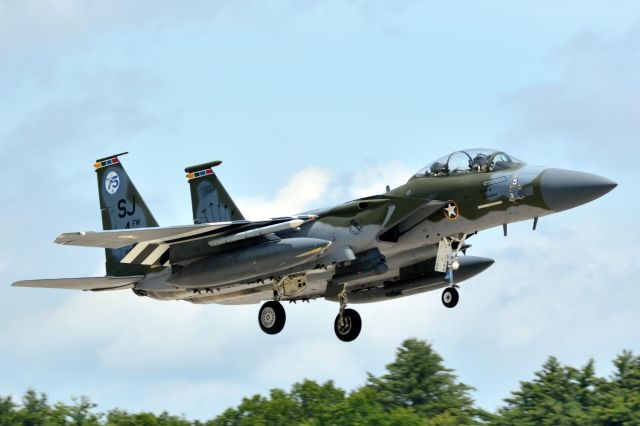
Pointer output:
x,y
252,262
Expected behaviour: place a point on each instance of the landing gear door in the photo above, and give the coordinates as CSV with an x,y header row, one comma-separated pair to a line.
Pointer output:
x,y
442,258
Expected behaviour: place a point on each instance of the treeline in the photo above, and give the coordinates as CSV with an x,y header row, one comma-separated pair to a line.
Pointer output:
x,y
417,389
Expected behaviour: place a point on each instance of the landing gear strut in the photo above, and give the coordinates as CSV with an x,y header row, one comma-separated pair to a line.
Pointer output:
x,y
348,323
447,261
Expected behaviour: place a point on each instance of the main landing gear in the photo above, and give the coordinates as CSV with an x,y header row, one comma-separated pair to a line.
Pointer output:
x,y
272,316
347,325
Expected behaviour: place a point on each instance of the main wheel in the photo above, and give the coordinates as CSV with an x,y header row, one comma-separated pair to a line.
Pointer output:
x,y
450,297
349,328
272,317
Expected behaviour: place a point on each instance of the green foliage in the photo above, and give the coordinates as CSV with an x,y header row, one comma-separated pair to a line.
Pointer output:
x,y
416,390
7,412
562,395
279,409
619,403
122,418
558,395
417,379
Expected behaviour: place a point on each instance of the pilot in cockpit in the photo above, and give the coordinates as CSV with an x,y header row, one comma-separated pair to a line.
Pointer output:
x,y
480,163
438,169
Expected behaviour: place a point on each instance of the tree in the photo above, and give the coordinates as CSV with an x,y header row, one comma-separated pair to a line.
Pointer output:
x,y
619,403
279,409
122,418
34,411
318,404
7,412
418,380
558,395
363,408
77,414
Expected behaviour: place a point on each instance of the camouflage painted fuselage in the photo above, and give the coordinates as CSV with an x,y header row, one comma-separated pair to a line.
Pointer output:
x,y
397,231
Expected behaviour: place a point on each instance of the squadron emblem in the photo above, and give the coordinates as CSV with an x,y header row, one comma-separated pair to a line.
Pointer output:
x,y
112,182
452,211
515,191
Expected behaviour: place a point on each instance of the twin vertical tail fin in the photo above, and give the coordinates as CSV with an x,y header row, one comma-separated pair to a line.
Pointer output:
x,y
122,207
209,200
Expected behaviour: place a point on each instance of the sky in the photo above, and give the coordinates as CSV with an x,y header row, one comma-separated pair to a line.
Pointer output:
x,y
310,104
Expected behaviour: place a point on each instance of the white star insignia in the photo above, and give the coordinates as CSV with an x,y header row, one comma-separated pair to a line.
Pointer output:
x,y
451,211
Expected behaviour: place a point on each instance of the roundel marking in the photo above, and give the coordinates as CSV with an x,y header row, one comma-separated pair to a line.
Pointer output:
x,y
452,211
112,182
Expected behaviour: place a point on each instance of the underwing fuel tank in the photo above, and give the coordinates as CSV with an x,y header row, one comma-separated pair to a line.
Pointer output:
x,y
469,267
249,263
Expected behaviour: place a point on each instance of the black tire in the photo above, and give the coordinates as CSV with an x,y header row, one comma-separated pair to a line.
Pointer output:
x,y
272,317
350,329
450,297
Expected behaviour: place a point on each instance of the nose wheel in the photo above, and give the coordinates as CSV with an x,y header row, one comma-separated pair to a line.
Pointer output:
x,y
272,317
450,297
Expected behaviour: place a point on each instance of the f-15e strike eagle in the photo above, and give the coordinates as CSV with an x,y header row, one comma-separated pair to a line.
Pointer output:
x,y
403,242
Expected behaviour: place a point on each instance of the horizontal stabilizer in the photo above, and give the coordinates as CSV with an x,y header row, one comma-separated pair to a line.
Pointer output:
x,y
88,283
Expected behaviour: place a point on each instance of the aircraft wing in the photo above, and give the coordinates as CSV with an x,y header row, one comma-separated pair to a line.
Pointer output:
x,y
125,237
151,245
88,283
165,235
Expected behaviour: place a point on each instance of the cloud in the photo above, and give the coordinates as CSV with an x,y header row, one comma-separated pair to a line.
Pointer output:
x,y
314,187
590,110
373,179
300,193
30,23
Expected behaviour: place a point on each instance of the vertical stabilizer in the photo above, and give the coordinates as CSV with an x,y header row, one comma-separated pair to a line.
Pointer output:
x,y
209,200
122,207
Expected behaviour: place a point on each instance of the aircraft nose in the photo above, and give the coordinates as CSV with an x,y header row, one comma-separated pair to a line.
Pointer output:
x,y
565,189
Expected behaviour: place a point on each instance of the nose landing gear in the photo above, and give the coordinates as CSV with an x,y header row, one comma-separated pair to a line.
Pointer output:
x,y
447,262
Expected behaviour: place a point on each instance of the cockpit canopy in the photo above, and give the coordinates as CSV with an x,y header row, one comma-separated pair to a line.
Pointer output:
x,y
469,161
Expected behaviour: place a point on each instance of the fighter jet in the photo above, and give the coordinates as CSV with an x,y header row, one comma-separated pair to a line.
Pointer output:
x,y
405,241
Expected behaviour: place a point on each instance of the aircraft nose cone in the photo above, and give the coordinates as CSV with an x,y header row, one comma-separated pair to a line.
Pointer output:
x,y
565,189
